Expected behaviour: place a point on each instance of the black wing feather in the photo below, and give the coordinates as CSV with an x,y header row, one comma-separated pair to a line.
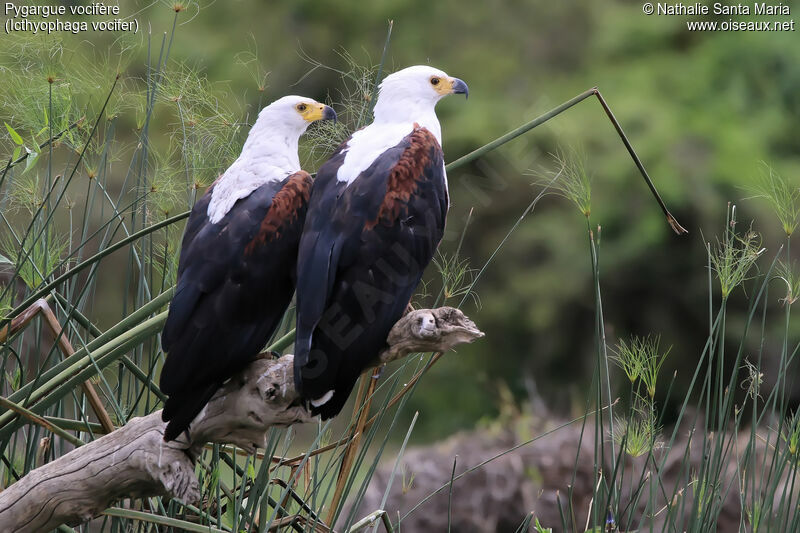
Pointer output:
x,y
235,281
359,264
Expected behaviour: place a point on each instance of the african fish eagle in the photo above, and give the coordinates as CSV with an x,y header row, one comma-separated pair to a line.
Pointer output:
x,y
236,273
375,217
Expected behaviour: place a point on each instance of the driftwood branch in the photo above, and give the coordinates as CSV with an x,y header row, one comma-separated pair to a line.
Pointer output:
x,y
134,461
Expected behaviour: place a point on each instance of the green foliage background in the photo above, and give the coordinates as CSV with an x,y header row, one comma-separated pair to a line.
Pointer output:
x,y
703,110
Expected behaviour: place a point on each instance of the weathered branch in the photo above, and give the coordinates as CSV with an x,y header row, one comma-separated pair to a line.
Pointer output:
x,y
134,461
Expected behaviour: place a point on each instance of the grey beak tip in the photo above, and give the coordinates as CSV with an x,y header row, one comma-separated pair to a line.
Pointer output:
x,y
330,114
459,87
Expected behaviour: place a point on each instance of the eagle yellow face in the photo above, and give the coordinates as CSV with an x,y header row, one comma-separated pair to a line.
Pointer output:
x,y
445,85
311,111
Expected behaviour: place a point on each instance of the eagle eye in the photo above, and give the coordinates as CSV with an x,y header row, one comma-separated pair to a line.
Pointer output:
x,y
301,107
435,81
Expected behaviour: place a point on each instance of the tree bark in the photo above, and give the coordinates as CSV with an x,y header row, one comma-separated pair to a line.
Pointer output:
x,y
135,462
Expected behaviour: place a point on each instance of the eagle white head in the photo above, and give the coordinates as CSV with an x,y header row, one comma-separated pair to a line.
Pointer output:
x,y
291,115
414,92
270,151
281,124
406,99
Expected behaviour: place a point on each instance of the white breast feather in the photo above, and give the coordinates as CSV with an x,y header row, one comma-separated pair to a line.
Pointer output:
x,y
366,145
446,188
243,177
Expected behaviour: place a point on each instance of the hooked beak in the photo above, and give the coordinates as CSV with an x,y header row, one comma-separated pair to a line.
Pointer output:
x,y
459,87
329,114
320,112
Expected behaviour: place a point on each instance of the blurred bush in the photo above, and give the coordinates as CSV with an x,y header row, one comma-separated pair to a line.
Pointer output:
x,y
703,111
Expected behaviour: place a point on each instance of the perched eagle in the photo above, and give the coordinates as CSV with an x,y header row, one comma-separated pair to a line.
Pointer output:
x,y
375,217
236,273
